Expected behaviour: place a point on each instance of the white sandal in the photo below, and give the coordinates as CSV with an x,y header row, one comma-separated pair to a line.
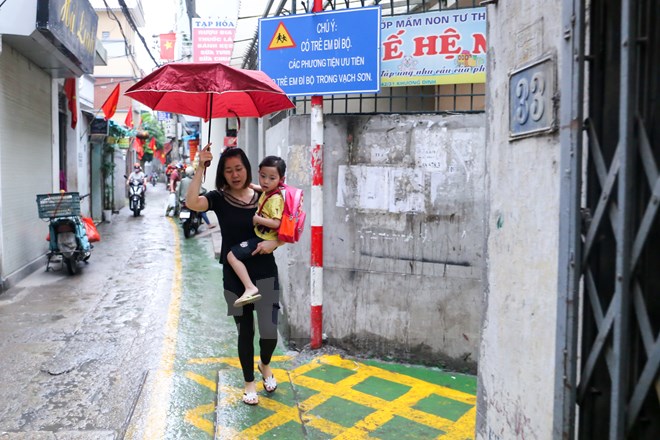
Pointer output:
x,y
250,398
270,384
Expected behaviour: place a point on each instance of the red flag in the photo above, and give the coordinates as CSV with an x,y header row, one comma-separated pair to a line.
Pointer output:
x,y
138,146
152,144
129,117
70,92
110,105
167,46
160,155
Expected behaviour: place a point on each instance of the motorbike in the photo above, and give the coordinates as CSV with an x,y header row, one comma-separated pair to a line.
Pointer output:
x,y
67,234
190,220
136,196
153,178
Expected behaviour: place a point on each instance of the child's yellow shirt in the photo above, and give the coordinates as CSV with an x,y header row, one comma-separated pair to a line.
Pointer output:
x,y
272,209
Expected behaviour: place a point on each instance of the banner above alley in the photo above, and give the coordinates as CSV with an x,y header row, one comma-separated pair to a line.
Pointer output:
x,y
434,48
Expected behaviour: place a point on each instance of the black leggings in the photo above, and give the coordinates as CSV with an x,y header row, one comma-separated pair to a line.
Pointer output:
x,y
245,327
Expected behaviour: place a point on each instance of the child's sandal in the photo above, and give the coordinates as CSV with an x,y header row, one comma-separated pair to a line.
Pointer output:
x,y
242,301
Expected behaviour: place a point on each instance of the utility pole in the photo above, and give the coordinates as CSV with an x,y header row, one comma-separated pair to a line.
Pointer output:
x,y
316,269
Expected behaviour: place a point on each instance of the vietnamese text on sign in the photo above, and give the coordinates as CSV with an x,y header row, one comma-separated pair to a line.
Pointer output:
x,y
434,48
323,53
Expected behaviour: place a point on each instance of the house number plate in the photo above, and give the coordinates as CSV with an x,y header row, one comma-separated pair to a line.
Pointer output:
x,y
531,104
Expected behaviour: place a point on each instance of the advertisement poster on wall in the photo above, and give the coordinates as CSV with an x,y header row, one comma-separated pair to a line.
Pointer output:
x,y
434,48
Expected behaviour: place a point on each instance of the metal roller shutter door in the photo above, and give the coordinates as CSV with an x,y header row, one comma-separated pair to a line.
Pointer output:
x,y
25,158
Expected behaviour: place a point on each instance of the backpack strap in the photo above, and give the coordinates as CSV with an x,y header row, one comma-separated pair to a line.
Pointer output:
x,y
268,196
261,207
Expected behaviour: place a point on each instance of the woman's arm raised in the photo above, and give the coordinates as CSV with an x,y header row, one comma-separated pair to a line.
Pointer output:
x,y
193,200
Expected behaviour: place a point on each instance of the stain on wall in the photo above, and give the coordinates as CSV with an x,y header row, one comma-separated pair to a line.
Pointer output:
x,y
403,235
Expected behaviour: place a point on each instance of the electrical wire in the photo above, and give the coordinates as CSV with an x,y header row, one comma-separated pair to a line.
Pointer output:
x,y
127,13
112,83
127,45
3,2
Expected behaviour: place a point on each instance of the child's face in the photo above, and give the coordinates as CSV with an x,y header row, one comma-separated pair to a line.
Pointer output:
x,y
269,178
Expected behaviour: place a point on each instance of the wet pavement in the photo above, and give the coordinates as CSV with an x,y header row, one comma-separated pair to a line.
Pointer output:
x,y
138,346
334,397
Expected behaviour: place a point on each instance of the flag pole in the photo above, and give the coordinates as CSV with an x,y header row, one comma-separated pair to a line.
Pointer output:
x,y
90,124
107,118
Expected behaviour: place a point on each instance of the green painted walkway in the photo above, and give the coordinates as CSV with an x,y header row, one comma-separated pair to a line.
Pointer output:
x,y
197,392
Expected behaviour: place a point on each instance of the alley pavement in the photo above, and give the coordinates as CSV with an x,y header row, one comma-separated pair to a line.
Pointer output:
x,y
138,346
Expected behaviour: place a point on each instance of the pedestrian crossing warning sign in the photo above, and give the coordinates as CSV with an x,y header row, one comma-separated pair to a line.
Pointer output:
x,y
281,39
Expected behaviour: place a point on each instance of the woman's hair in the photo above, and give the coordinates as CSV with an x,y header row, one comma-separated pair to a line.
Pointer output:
x,y
220,181
275,162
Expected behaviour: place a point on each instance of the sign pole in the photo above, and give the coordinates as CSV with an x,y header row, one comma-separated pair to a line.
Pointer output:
x,y
316,263
315,54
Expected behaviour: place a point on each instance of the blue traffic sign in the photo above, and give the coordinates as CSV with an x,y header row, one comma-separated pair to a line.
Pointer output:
x,y
322,53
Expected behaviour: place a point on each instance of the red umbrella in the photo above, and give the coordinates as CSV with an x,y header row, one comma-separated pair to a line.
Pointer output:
x,y
210,90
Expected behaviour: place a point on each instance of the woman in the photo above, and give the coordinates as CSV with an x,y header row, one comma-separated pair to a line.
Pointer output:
x,y
235,203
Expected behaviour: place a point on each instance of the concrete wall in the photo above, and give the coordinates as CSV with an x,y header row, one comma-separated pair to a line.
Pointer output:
x,y
403,232
517,354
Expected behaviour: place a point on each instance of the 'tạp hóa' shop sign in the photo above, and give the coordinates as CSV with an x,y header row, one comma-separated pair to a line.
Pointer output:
x,y
434,48
213,39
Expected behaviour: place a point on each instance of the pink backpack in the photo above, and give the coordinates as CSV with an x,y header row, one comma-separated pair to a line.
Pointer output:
x,y
293,216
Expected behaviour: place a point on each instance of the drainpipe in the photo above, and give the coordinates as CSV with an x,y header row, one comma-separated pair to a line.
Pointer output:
x,y
316,263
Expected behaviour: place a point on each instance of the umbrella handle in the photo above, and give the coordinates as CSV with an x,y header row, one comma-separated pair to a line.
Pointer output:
x,y
238,120
208,162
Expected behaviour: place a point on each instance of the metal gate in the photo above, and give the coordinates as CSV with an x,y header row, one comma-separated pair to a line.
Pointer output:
x,y
609,310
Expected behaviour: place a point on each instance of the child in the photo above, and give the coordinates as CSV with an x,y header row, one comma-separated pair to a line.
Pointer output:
x,y
267,220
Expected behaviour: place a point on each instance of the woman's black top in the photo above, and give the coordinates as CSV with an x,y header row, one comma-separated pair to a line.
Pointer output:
x,y
235,219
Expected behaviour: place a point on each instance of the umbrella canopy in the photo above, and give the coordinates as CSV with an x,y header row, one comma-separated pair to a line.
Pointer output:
x,y
210,90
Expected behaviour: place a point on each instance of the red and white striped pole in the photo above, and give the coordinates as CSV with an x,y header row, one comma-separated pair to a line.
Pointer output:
x,y
316,263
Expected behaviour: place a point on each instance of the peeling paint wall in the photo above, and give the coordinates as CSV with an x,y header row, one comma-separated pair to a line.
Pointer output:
x,y
403,234
517,353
